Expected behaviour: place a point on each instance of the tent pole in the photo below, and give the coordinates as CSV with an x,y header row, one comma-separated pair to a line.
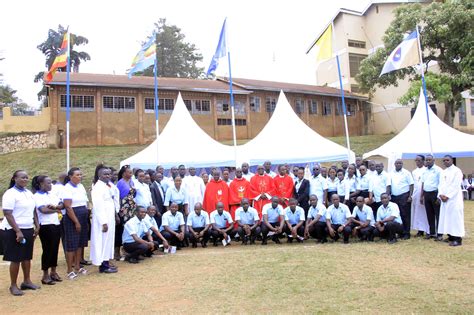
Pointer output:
x,y
234,134
157,127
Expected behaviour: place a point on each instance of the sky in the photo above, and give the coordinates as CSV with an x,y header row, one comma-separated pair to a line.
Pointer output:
x,y
268,39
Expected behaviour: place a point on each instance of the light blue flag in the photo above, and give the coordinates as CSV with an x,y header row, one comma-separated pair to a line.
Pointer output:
x,y
145,57
221,51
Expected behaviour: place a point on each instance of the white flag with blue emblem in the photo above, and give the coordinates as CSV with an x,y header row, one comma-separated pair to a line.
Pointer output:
x,y
221,51
404,55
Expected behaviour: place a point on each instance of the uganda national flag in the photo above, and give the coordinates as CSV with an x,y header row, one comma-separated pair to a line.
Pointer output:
x,y
61,59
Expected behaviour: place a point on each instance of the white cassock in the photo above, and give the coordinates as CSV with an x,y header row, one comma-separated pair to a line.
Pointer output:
x,y
451,213
103,212
195,188
419,221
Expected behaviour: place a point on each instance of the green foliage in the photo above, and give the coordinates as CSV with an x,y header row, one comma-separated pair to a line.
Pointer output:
x,y
437,85
176,58
446,38
52,46
7,95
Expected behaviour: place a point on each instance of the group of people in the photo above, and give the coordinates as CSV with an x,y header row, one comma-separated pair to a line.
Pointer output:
x,y
135,213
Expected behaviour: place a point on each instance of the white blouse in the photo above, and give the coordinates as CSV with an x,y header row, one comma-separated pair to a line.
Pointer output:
x,y
76,193
21,202
43,199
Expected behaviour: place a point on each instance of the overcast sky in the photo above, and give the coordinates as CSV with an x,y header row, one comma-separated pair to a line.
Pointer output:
x,y
268,39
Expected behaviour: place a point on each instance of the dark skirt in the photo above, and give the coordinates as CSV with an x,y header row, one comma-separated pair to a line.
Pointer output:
x,y
14,251
364,193
72,239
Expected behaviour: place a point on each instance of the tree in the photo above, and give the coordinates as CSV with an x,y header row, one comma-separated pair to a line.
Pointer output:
x,y
51,47
176,58
446,38
7,95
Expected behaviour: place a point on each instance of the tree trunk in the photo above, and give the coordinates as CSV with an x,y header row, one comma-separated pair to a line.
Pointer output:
x,y
449,113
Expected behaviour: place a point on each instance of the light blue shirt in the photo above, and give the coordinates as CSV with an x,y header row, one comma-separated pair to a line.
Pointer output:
x,y
332,185
198,221
338,215
391,210
273,214
400,182
174,196
294,217
320,210
221,220
143,196
151,222
363,182
248,217
172,221
364,214
378,184
430,178
341,187
134,226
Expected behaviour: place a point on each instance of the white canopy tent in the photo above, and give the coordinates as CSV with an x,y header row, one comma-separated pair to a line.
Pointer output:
x,y
414,139
183,142
287,139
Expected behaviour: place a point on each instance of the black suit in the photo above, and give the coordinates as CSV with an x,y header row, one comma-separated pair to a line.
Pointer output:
x,y
158,200
302,195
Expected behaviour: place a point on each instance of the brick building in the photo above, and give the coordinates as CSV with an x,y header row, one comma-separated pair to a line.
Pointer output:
x,y
112,109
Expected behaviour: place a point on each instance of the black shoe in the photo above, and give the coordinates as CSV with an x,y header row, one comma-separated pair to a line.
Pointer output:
x,y
455,243
289,240
85,263
204,244
195,245
107,270
392,241
324,240
428,236
420,234
252,241
133,260
276,240
215,243
439,238
346,242
264,242
29,286
406,237
298,240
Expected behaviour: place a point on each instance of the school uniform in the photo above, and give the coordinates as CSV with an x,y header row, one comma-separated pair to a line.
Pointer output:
x,y
294,217
137,227
318,229
351,187
332,188
22,204
317,186
363,184
50,228
273,218
221,221
198,223
249,217
378,186
341,189
390,228
174,222
363,215
400,189
430,179
78,196
338,216
176,196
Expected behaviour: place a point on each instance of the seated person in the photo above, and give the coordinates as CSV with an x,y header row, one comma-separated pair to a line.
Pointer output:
x,y
316,222
150,220
388,222
221,223
338,220
294,221
132,238
273,220
248,222
363,220
198,226
172,223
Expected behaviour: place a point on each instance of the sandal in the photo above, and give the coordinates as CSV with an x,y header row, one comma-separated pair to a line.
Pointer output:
x,y
48,282
82,271
55,277
16,292
72,275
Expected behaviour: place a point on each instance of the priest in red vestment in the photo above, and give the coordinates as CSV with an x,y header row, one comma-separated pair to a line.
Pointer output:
x,y
216,191
261,189
239,188
284,186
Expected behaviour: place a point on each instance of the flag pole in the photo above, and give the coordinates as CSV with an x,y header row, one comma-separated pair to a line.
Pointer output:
x,y
68,99
155,72
423,82
232,111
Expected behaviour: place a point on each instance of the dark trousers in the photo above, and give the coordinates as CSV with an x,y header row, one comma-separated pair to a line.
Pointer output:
x,y
375,206
432,210
390,230
300,230
118,234
136,249
405,210
253,233
50,236
266,230
172,239
318,230
194,240
216,236
346,232
366,233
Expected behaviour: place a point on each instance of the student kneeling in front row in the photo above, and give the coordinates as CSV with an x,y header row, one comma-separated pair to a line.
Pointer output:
x,y
388,222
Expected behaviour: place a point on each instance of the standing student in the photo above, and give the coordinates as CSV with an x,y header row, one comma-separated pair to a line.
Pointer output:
x,y
76,235
363,183
273,220
48,209
351,189
379,184
419,221
331,182
143,195
341,187
301,191
402,189
430,183
177,194
318,185
158,197
127,192
19,228
316,221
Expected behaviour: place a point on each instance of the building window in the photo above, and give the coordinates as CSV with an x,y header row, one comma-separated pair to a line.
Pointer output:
x,y
471,101
462,114
223,108
313,107
339,109
149,105
198,106
228,122
118,104
270,104
355,88
356,43
327,108
299,106
351,109
166,105
354,63
78,103
255,104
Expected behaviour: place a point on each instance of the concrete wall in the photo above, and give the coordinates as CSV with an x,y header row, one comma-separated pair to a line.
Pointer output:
x,y
18,124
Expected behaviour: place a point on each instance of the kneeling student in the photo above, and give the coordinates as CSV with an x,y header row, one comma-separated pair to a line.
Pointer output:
x,y
363,220
248,221
338,220
273,220
388,222
153,225
198,226
316,222
133,232
294,221
172,222
222,227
